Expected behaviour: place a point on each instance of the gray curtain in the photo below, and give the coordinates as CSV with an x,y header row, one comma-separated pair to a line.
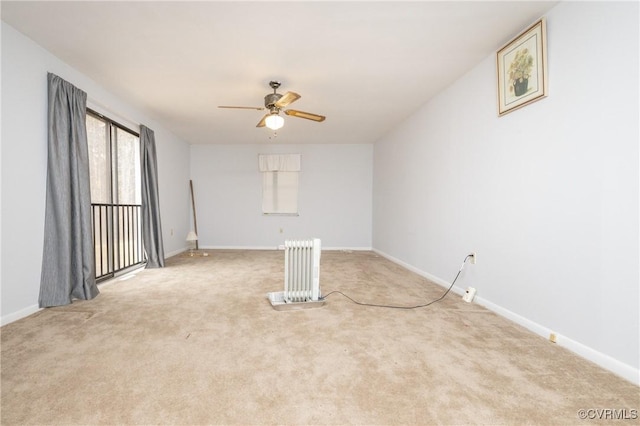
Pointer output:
x,y
68,269
151,226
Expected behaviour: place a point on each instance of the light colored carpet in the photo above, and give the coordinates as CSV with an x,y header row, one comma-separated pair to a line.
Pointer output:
x,y
198,343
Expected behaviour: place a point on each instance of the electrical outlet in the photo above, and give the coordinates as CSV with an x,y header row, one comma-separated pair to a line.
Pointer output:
x,y
552,337
474,257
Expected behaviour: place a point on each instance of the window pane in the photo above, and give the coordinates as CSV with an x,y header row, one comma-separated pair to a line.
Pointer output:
x,y
99,160
280,192
129,184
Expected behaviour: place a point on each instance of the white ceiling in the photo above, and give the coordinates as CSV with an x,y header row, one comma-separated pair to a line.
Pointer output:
x,y
365,65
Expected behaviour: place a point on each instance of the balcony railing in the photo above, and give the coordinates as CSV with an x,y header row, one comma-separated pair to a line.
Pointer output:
x,y
117,238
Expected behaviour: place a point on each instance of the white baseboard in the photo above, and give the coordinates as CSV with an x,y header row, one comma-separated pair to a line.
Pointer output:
x,y
278,247
605,361
175,252
347,249
239,247
22,313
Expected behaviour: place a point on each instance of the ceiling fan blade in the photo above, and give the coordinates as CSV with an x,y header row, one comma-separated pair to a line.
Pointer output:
x,y
286,99
307,115
241,107
263,122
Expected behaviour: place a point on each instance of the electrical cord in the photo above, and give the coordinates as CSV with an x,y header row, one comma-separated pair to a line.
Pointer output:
x,y
403,307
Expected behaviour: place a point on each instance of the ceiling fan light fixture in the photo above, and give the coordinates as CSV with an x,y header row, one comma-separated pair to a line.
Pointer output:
x,y
275,103
274,121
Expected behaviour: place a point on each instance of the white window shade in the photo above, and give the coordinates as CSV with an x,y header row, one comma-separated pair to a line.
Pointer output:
x,y
280,183
279,162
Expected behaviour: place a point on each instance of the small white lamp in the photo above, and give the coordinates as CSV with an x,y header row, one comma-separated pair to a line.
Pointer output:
x,y
191,238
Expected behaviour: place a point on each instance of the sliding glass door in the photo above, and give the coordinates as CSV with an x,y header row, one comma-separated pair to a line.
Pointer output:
x,y
114,165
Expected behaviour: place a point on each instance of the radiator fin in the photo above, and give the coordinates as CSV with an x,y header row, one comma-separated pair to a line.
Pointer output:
x,y
302,270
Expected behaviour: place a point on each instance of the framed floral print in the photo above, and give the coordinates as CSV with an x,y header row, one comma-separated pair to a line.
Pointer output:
x,y
522,69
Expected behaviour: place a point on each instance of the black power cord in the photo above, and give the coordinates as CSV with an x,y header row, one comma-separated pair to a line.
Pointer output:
x,y
403,307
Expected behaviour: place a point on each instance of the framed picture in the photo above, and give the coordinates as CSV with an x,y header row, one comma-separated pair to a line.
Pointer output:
x,y
522,69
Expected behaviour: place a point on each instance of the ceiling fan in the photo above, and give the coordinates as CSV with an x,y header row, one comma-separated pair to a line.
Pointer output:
x,y
274,103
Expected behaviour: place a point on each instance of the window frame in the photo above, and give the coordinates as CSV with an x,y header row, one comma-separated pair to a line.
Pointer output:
x,y
273,168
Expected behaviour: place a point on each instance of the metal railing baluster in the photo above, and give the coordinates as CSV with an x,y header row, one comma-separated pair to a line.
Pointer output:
x,y
125,245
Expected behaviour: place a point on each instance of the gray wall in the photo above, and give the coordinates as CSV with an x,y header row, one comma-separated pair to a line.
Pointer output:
x,y
24,165
334,196
546,195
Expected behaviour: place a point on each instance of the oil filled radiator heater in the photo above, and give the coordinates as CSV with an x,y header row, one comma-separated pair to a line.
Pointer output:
x,y
301,275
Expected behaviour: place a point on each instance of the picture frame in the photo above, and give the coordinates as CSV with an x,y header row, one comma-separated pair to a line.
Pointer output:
x,y
522,69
